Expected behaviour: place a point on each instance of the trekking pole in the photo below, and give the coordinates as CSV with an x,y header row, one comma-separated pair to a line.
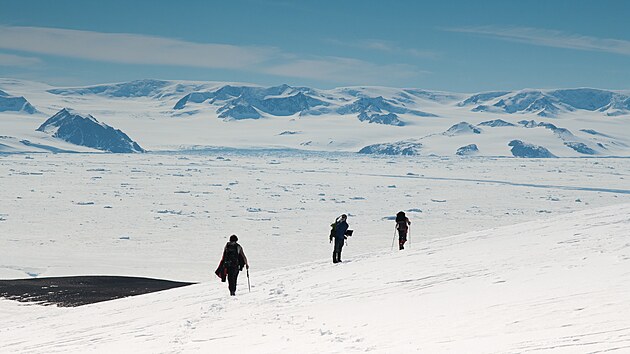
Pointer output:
x,y
394,239
248,285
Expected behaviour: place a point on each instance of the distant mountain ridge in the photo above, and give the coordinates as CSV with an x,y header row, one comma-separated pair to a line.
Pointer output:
x,y
240,101
132,89
78,129
548,103
380,120
10,103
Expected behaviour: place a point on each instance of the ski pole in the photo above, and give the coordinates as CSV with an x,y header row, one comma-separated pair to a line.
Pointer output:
x,y
248,285
409,234
394,239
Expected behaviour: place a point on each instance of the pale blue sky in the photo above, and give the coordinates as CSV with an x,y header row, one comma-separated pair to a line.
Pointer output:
x,y
463,46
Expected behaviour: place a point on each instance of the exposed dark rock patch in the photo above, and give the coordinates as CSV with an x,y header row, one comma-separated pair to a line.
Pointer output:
x,y
10,103
462,128
497,123
522,149
470,149
80,290
483,97
580,147
397,148
77,129
389,119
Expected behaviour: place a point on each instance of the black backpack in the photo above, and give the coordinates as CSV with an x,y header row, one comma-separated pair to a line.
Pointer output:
x,y
333,230
230,255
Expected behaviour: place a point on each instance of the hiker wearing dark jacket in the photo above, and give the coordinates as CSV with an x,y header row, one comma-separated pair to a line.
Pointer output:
x,y
232,262
402,225
340,237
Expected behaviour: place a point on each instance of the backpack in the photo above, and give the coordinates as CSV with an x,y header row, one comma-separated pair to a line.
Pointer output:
x,y
401,221
230,255
402,225
333,229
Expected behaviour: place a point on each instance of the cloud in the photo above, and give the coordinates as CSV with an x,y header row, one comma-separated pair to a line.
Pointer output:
x,y
549,38
391,47
383,46
349,71
17,60
130,48
386,46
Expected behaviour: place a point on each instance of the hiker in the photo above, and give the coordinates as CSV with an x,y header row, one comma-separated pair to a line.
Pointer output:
x,y
402,225
340,228
232,262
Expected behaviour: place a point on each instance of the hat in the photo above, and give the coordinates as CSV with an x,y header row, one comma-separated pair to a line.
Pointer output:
x,y
233,238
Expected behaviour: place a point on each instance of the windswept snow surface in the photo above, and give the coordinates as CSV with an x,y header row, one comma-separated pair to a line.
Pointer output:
x,y
169,215
555,285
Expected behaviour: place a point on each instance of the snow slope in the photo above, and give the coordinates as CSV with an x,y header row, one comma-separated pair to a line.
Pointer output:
x,y
554,285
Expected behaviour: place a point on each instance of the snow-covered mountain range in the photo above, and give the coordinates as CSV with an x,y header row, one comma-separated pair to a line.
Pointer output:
x,y
550,103
184,115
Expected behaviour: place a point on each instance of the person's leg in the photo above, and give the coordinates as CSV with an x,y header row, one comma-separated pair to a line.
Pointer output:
x,y
402,238
337,252
339,246
232,278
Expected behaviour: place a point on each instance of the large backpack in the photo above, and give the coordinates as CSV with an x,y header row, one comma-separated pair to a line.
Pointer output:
x,y
230,255
401,220
333,230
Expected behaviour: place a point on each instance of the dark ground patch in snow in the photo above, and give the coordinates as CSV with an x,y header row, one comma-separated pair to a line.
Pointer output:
x,y
80,290
470,149
580,147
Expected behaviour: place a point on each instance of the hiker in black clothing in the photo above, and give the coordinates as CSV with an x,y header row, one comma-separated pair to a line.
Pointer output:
x,y
340,229
402,225
232,262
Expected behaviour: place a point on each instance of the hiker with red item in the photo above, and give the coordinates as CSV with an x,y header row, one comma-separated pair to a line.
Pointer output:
x,y
232,262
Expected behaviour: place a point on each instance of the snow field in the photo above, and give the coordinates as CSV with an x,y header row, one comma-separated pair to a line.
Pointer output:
x,y
556,285
169,215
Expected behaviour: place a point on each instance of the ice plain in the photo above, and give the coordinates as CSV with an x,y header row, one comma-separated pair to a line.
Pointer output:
x,y
506,255
167,215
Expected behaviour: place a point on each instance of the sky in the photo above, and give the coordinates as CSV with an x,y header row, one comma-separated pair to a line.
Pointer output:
x,y
460,46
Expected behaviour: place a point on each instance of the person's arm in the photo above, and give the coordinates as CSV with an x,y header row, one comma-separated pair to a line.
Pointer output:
x,y
345,228
244,258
